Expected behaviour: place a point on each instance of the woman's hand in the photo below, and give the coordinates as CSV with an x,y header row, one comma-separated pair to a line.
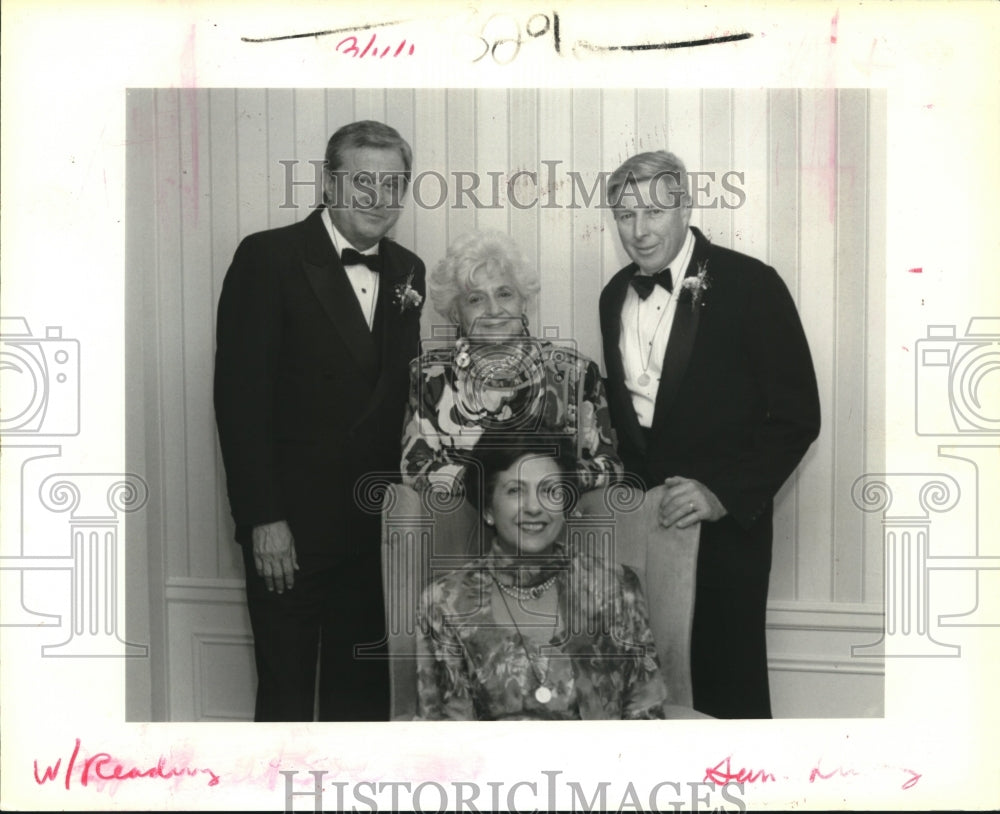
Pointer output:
x,y
686,502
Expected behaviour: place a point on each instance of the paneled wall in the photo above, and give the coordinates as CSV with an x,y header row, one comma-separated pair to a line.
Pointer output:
x,y
206,169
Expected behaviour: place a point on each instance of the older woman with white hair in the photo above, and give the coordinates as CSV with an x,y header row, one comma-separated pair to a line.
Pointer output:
x,y
495,376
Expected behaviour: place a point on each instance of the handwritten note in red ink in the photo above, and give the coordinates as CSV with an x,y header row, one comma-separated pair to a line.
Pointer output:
x,y
102,767
349,46
724,772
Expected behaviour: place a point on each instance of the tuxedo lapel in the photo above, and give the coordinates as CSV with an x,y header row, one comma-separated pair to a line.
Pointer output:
x,y
682,337
629,421
329,282
387,328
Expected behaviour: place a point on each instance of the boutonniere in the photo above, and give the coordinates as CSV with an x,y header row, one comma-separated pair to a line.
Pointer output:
x,y
406,296
693,288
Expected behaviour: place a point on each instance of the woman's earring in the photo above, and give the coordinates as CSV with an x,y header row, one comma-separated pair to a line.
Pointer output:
x,y
488,517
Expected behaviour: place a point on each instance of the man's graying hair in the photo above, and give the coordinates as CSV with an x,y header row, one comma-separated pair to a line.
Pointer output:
x,y
366,134
642,167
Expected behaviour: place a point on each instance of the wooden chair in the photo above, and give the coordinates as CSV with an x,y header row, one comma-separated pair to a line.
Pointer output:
x,y
431,533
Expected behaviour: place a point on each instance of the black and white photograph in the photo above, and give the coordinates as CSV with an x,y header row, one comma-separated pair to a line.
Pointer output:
x,y
467,407
503,227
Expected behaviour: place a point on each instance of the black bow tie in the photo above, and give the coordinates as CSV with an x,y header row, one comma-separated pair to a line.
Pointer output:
x,y
350,257
644,283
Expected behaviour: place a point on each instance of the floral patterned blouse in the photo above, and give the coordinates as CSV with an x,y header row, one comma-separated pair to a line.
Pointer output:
x,y
458,392
600,662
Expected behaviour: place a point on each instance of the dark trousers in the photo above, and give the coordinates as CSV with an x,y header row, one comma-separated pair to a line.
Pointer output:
x,y
729,649
336,612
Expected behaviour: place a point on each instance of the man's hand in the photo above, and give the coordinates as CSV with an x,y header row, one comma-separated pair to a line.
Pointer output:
x,y
274,555
687,502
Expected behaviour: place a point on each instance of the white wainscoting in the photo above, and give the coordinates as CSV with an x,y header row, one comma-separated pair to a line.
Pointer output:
x,y
812,672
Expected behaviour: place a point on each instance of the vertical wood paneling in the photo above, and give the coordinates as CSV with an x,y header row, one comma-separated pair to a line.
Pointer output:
x,y
400,104
650,120
146,556
461,159
852,217
170,341
251,160
196,328
555,250
817,306
310,133
225,237
492,154
588,222
339,109
280,147
783,255
684,131
430,155
618,140
874,309
717,159
524,156
750,159
369,103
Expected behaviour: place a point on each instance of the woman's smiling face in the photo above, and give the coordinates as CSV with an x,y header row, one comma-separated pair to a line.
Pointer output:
x,y
490,304
525,505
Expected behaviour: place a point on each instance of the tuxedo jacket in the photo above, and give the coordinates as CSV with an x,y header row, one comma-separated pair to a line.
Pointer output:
x,y
737,405
308,400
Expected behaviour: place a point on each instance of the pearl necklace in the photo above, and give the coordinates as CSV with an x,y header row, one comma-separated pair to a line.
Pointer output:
x,y
533,592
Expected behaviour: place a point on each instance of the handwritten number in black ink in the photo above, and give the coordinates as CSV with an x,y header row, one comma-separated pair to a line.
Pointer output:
x,y
543,27
504,49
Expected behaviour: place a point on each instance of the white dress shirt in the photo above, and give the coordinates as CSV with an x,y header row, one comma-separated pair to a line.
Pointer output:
x,y
364,281
645,329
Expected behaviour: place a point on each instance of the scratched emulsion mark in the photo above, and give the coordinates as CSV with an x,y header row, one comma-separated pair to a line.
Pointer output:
x,y
102,770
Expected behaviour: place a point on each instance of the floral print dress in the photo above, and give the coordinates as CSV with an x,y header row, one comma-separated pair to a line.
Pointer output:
x,y
527,385
600,662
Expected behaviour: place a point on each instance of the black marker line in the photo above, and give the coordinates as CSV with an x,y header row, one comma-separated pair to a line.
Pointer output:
x,y
663,46
347,30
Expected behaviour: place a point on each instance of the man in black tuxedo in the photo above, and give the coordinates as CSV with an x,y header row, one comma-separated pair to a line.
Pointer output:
x,y
712,391
317,324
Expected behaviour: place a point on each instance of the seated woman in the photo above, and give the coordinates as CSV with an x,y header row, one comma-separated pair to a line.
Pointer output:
x,y
495,376
538,628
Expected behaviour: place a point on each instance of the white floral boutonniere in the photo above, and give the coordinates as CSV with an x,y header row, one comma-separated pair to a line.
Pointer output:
x,y
693,288
406,296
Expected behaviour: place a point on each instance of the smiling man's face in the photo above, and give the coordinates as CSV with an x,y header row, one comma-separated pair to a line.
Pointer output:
x,y
365,194
652,220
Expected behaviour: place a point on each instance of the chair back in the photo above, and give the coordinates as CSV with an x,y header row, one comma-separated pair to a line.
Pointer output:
x,y
425,534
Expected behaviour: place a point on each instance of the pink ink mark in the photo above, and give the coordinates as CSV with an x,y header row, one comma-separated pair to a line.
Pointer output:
x,y
905,348
834,22
103,767
349,47
189,84
917,270
819,774
909,784
720,776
